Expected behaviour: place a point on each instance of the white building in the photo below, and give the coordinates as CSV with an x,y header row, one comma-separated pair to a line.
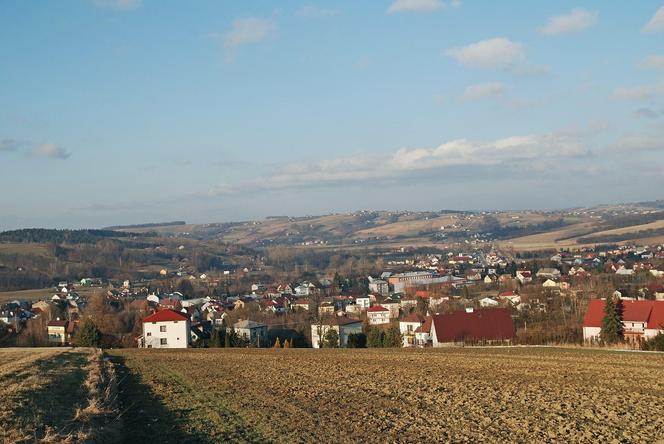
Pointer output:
x,y
165,329
641,320
343,326
379,286
378,315
251,331
408,325
488,302
364,302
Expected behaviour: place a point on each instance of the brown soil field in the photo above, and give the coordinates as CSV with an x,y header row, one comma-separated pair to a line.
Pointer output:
x,y
391,395
42,293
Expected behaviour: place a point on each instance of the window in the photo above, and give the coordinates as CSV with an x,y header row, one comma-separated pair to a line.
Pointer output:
x,y
162,341
162,328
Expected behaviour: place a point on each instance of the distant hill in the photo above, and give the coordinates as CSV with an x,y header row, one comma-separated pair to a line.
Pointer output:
x,y
149,225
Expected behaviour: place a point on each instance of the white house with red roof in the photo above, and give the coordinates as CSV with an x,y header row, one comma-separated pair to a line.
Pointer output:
x,y
407,326
641,320
378,315
165,329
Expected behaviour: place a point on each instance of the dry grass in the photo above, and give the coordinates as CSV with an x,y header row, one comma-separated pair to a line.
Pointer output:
x,y
59,395
459,395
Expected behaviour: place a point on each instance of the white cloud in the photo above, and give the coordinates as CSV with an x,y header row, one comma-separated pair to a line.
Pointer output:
x,y
639,92
414,162
656,23
653,62
475,92
639,142
245,31
575,21
415,6
490,53
50,150
312,11
119,4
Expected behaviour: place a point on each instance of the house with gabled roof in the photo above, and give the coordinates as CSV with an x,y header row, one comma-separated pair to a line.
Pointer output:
x,y
378,315
165,329
57,332
641,320
407,326
492,325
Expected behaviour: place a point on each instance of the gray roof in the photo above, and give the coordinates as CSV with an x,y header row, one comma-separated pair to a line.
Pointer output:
x,y
245,323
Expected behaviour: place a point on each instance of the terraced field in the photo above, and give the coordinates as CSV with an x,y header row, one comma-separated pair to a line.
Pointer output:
x,y
459,395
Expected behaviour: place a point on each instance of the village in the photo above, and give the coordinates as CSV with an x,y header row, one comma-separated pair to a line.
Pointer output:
x,y
428,300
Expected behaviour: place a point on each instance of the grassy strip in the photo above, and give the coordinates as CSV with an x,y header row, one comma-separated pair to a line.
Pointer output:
x,y
162,405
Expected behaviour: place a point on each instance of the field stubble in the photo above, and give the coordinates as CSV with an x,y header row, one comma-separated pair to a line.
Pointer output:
x,y
498,395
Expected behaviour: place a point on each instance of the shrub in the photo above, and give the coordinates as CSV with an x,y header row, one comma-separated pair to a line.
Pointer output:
x,y
357,340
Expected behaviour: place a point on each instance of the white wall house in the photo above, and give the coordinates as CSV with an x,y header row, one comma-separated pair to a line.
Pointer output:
x,y
378,315
641,320
364,302
379,286
407,327
165,329
251,331
343,326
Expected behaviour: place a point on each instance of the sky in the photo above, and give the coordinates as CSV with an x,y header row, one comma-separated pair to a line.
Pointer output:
x,y
133,111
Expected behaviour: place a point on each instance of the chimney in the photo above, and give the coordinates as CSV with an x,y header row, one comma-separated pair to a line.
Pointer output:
x,y
469,309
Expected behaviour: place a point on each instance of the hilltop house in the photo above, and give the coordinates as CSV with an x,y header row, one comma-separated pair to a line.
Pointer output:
x,y
343,326
165,329
641,320
492,325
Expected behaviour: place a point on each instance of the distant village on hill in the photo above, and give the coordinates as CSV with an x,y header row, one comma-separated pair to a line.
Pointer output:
x,y
146,287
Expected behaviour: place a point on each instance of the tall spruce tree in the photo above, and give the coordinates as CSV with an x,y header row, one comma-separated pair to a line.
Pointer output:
x,y
612,328
88,335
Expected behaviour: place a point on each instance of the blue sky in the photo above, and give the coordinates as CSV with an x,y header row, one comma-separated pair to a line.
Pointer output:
x,y
130,111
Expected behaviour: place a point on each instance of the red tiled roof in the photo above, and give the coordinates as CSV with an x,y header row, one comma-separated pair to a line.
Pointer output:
x,y
506,293
165,315
413,317
377,308
491,324
651,312
426,327
56,324
656,320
